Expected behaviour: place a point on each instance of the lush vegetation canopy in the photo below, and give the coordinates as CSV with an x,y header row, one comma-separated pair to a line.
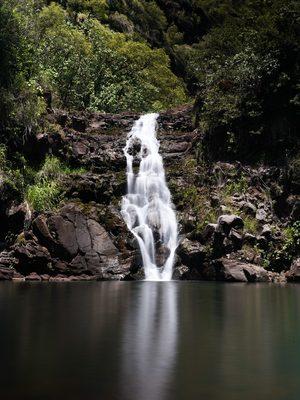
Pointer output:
x,y
239,60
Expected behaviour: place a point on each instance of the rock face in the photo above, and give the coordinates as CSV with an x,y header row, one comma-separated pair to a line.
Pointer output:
x,y
70,242
230,215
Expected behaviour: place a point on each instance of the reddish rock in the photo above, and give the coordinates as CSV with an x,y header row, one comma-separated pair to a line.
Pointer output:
x,y
34,277
236,271
6,274
293,274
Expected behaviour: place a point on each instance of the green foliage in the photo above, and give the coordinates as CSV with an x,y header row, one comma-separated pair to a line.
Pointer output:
x,y
239,58
280,258
20,103
96,8
2,157
251,224
65,54
239,186
43,196
86,65
46,192
246,83
129,75
292,240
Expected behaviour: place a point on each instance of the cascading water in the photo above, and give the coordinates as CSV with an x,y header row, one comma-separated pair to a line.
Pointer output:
x,y
147,208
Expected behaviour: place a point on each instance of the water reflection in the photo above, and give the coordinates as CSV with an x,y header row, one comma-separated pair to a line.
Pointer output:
x,y
149,342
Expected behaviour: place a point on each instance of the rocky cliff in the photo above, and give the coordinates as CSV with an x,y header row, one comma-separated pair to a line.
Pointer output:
x,y
234,219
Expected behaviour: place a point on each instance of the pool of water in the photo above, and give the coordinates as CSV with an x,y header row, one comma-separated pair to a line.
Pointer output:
x,y
149,341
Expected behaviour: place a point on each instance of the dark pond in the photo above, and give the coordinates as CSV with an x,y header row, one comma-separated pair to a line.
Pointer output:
x,y
149,341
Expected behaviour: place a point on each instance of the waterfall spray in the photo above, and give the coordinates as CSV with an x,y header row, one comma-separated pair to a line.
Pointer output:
x,y
147,208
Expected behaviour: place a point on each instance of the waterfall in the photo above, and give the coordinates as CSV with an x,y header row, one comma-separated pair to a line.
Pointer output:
x,y
147,208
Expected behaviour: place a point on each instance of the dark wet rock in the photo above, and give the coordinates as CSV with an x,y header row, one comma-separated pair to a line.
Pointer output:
x,y
250,239
6,274
32,257
267,232
45,277
191,253
17,277
180,272
215,200
88,239
33,277
65,235
188,222
235,271
7,259
95,140
94,187
249,208
72,242
41,230
79,124
138,274
295,213
227,222
293,274
236,239
16,217
227,246
209,232
262,242
162,254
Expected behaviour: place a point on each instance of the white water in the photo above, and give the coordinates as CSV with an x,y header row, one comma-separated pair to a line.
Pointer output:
x,y
147,208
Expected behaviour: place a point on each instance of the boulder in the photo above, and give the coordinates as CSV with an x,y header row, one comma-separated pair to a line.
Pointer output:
x,y
72,242
32,257
6,274
191,253
227,222
7,259
41,230
16,217
236,239
267,232
180,272
261,215
262,242
209,232
250,239
230,270
293,274
65,234
78,123
33,277
162,254
249,208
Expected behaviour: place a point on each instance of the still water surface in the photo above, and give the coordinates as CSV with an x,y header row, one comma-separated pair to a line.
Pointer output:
x,y
149,341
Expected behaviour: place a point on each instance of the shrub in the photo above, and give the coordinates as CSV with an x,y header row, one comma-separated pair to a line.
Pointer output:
x,y
43,196
281,258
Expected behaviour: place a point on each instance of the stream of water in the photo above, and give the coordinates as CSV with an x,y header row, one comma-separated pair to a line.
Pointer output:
x,y
147,208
